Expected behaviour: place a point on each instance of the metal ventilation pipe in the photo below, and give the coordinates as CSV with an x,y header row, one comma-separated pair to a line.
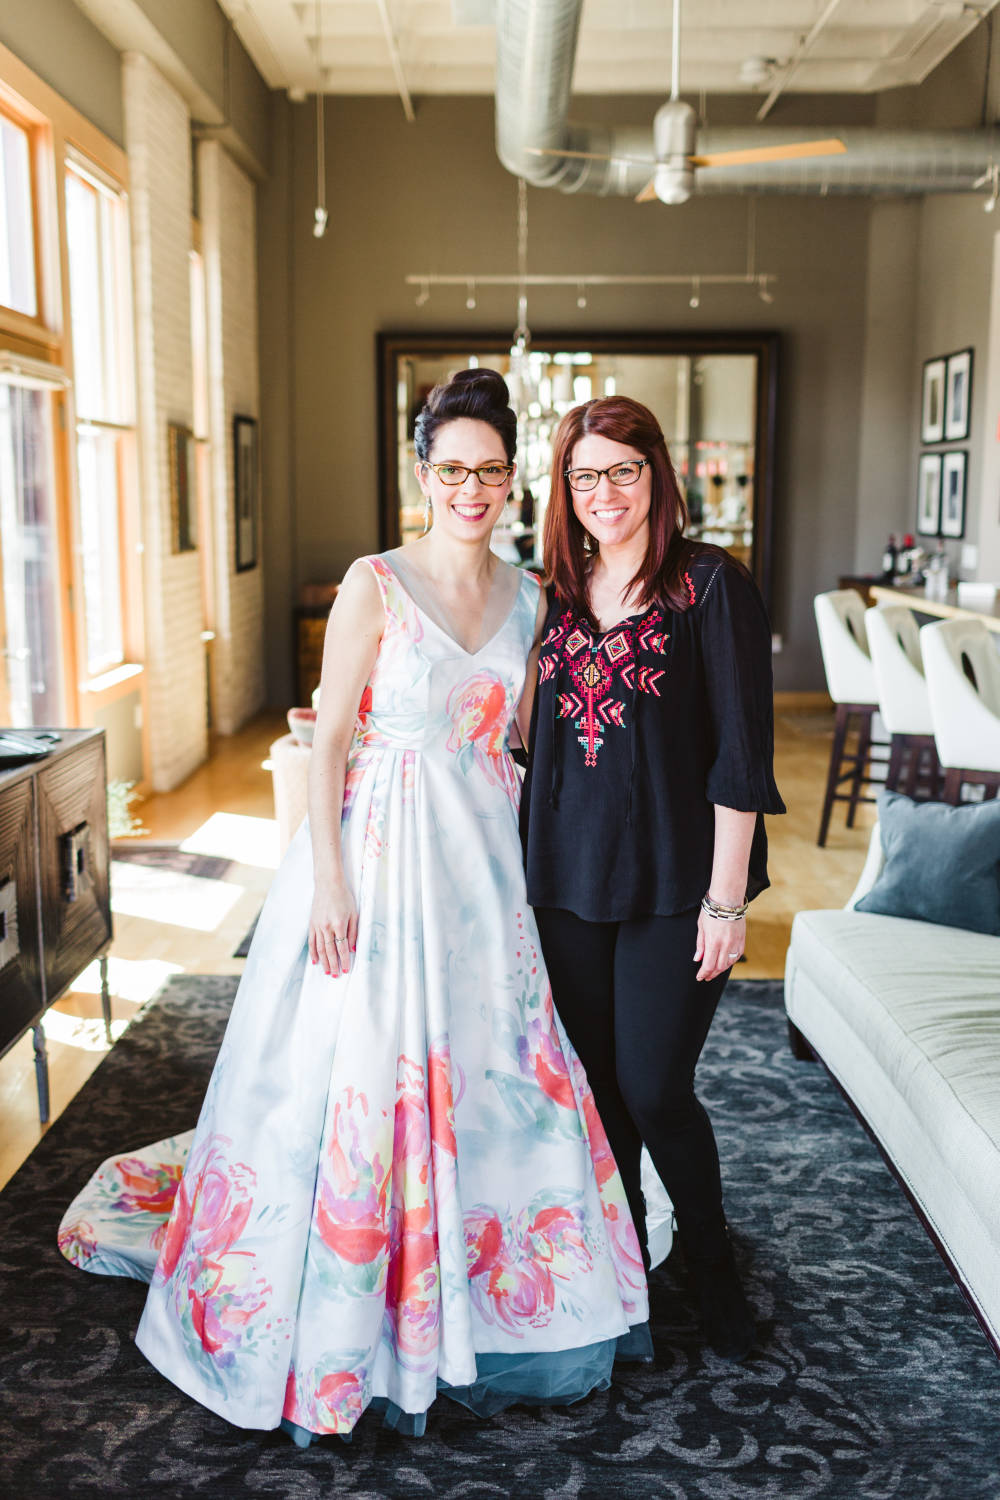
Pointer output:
x,y
536,47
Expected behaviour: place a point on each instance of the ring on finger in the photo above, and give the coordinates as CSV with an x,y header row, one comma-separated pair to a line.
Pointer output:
x,y
340,940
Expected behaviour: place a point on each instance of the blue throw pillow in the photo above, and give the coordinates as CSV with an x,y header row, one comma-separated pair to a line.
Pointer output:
x,y
942,863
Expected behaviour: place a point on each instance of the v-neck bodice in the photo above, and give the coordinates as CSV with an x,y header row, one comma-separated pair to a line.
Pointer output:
x,y
501,600
428,693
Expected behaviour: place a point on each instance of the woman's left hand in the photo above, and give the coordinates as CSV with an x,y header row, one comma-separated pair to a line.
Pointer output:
x,y
719,946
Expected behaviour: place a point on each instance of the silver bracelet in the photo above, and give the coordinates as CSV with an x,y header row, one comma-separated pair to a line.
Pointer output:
x,y
723,913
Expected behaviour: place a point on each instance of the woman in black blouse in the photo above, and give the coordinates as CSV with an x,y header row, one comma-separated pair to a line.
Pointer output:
x,y
649,771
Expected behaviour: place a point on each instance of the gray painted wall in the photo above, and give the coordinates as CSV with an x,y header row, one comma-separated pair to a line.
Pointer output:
x,y
929,294
432,197
197,32
65,48
954,278
889,386
58,43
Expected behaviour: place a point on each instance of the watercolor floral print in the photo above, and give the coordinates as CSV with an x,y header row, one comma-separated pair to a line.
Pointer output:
x,y
400,1172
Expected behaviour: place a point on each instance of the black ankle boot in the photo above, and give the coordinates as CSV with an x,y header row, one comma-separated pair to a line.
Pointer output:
x,y
722,1306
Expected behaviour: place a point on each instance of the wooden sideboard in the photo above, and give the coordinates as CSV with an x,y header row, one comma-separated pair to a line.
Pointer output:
x,y
55,893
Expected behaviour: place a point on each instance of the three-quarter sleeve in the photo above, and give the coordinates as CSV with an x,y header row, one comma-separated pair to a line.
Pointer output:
x,y
735,645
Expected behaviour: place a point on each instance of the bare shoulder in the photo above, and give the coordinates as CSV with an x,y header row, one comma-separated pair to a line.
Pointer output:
x,y
360,587
359,600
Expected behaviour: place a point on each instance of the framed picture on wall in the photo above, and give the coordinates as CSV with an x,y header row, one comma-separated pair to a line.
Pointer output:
x,y
183,492
953,493
929,494
246,485
932,401
958,396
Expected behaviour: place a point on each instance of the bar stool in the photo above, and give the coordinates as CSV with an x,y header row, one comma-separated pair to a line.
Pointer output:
x,y
894,643
850,681
962,668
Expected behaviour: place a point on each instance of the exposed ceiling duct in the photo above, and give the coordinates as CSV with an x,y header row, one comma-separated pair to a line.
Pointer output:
x,y
536,46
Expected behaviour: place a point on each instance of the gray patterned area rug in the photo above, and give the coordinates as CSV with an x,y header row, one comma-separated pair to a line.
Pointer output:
x,y
873,1379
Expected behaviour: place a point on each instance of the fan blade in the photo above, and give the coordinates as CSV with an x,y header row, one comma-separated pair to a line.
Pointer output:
x,y
645,161
648,193
832,147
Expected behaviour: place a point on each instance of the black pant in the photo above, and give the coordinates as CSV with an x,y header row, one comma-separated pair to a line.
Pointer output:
x,y
627,995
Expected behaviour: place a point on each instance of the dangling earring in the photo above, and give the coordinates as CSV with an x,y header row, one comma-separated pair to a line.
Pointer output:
x,y
427,514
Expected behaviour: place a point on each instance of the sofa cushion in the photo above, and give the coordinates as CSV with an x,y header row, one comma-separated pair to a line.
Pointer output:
x,y
924,1003
942,863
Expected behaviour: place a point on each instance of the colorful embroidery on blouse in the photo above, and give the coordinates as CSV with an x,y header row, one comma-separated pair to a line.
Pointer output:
x,y
594,666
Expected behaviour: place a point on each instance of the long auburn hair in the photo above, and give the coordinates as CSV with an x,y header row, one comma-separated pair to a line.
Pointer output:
x,y
568,547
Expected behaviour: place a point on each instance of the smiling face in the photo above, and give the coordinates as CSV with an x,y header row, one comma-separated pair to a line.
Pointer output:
x,y
612,513
466,511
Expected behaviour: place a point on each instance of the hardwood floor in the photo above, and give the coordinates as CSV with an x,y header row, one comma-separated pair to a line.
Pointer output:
x,y
187,924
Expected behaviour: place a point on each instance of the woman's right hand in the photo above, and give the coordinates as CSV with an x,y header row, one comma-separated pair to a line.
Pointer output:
x,y
333,928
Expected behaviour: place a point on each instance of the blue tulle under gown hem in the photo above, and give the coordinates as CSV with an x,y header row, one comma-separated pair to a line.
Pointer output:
x,y
557,1379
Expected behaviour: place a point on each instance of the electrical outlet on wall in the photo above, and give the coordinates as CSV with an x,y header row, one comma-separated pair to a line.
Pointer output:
x,y
777,644
970,556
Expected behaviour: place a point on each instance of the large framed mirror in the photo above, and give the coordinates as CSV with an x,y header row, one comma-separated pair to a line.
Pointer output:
x,y
714,395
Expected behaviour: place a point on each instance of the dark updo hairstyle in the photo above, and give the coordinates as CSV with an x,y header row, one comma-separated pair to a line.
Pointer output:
x,y
481,395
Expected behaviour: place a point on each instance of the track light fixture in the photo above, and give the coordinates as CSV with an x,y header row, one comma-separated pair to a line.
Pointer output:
x,y
695,298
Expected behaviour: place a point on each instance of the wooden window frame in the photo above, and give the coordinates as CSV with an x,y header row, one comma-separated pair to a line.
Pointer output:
x,y
61,135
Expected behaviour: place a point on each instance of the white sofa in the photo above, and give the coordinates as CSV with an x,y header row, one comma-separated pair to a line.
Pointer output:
x,y
906,1017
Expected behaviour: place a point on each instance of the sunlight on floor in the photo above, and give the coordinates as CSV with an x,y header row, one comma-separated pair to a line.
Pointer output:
x,y
172,899
249,841
135,980
86,1033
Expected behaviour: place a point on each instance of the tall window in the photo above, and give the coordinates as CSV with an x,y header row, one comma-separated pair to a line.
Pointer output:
x,y
98,267
29,627
17,225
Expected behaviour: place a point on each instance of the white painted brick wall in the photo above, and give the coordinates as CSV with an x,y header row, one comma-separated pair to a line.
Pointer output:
x,y
157,136
229,245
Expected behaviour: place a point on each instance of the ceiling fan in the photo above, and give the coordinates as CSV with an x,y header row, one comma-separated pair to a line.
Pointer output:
x,y
674,127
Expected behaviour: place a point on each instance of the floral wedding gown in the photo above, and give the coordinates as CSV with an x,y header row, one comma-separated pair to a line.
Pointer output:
x,y
398,1182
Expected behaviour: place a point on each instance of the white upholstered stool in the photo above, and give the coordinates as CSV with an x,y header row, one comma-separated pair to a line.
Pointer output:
x,y
962,668
850,681
894,643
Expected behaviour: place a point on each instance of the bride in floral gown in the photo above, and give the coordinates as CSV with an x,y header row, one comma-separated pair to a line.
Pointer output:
x,y
398,1183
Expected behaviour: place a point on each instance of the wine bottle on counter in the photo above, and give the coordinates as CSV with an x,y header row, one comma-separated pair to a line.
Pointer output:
x,y
889,557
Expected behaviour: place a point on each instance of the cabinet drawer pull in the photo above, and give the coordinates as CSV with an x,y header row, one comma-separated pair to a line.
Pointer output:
x,y
75,851
10,945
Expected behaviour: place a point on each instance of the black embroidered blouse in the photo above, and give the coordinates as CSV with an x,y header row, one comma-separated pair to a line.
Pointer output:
x,y
637,733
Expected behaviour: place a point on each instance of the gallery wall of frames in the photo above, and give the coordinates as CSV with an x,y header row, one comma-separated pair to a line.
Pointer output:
x,y
945,407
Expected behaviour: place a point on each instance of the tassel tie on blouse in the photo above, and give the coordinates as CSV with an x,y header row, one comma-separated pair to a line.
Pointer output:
x,y
555,779
633,722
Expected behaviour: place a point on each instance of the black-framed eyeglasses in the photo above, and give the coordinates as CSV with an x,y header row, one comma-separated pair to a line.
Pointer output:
x,y
623,473
489,474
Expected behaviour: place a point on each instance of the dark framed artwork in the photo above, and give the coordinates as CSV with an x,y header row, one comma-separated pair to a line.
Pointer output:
x,y
183,488
929,494
246,487
953,476
932,401
958,396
